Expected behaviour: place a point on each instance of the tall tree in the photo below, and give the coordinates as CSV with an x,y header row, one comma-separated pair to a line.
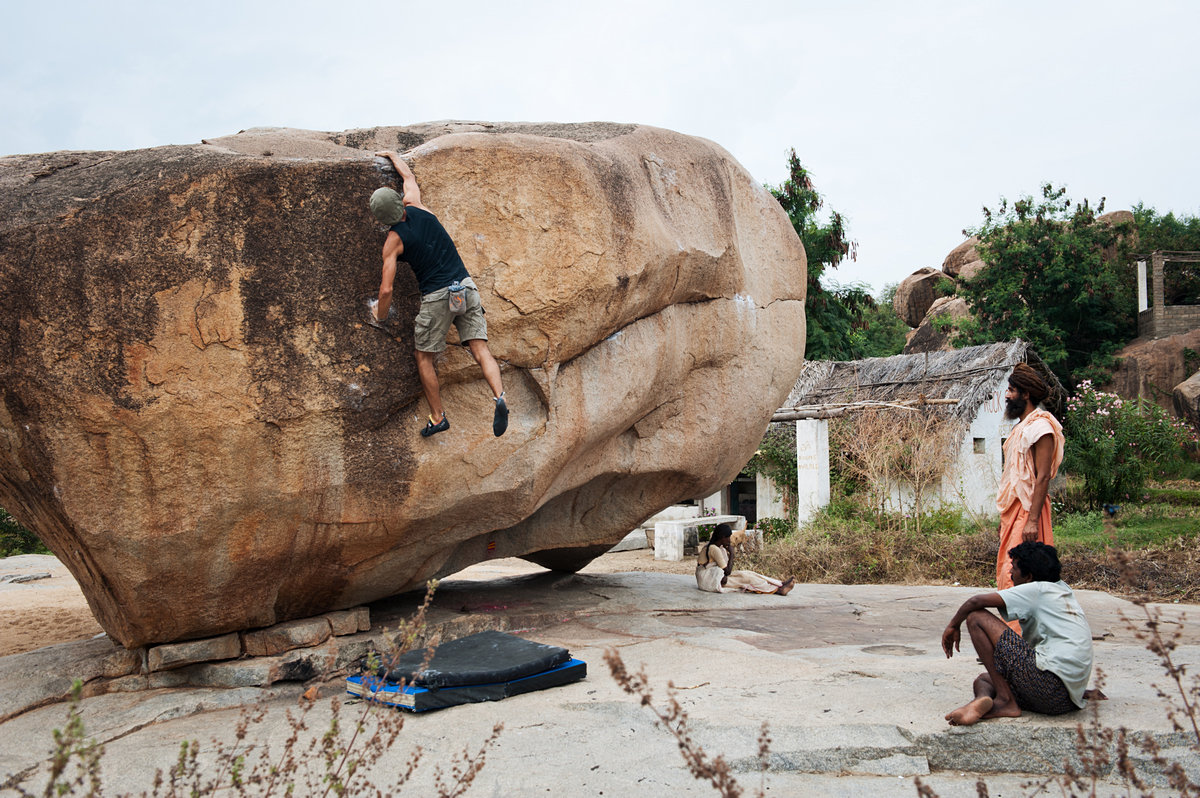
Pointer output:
x,y
883,333
834,313
1057,278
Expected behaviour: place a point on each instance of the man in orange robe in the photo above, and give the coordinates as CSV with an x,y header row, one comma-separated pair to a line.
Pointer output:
x,y
1032,455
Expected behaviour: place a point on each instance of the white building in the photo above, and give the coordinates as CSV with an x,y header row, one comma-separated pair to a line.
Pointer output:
x,y
963,388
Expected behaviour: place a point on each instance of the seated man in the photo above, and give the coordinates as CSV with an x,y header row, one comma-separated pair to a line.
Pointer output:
x,y
1048,670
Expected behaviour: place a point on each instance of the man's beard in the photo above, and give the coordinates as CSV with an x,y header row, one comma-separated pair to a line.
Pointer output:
x,y
1013,408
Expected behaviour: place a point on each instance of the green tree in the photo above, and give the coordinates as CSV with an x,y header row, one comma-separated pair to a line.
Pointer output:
x,y
834,313
16,539
883,332
1056,278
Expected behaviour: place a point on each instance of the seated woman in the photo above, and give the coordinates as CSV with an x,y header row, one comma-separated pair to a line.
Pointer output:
x,y
714,569
1048,670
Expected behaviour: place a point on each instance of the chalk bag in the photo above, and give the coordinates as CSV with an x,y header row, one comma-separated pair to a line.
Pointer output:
x,y
457,298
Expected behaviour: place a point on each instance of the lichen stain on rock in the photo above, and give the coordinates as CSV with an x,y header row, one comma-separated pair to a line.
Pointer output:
x,y
195,418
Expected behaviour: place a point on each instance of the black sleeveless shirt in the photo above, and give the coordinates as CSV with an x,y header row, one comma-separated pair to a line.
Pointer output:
x,y
429,250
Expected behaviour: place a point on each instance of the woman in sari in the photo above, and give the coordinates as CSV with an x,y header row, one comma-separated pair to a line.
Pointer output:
x,y
715,574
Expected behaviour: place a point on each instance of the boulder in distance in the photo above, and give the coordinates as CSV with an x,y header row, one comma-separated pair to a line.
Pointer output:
x,y
916,294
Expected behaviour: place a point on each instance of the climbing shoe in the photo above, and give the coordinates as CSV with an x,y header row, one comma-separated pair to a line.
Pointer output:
x,y
434,429
500,418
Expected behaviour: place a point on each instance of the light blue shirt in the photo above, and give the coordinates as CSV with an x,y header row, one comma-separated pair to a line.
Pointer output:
x,y
1053,623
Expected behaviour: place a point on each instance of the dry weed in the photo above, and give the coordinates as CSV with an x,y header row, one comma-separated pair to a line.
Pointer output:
x,y
897,456
337,761
852,554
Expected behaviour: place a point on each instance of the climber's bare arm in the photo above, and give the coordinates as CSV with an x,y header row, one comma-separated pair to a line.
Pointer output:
x,y
392,248
412,192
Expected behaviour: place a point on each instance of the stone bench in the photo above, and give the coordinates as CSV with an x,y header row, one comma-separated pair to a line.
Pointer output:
x,y
669,536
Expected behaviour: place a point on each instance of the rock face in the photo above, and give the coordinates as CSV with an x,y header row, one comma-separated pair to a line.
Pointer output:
x,y
969,270
932,337
1152,368
916,294
960,256
196,420
1186,397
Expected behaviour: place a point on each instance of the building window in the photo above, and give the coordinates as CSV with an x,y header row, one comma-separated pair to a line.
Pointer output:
x,y
979,447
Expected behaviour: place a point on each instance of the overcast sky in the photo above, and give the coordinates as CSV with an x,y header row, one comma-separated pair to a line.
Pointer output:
x,y
909,115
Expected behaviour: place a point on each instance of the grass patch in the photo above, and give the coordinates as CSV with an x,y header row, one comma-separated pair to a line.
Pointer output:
x,y
1144,526
844,545
1178,496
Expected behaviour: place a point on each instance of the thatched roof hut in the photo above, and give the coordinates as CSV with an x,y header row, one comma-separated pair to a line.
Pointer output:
x,y
953,384
916,428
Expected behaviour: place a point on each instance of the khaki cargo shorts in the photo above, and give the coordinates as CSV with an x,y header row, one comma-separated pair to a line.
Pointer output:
x,y
434,319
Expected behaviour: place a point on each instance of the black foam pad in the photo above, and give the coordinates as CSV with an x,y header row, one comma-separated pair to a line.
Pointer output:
x,y
480,658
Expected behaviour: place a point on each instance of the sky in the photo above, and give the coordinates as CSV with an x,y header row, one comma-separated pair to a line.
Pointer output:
x,y
910,116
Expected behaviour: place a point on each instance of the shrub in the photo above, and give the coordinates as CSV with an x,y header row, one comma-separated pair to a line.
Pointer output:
x,y
775,528
846,544
1117,444
16,539
883,450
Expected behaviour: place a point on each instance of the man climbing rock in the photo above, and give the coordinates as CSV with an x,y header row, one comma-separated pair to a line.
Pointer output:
x,y
448,294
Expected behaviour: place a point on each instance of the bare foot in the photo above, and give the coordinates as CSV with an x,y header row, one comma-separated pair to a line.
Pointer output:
x,y
972,713
1008,709
786,587
1094,694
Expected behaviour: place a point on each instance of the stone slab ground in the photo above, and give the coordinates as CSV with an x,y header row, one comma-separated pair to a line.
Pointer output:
x,y
850,679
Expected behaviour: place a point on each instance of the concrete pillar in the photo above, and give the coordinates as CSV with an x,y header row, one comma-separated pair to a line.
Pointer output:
x,y
812,467
768,498
1158,292
1143,294
1158,295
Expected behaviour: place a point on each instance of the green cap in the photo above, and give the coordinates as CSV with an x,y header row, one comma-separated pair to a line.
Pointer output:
x,y
388,206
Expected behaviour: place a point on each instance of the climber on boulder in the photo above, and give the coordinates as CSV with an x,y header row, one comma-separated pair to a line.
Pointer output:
x,y
448,294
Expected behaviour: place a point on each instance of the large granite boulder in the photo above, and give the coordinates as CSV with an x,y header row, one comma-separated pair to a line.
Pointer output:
x,y
965,253
917,293
197,422
970,270
1151,368
937,329
1186,397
